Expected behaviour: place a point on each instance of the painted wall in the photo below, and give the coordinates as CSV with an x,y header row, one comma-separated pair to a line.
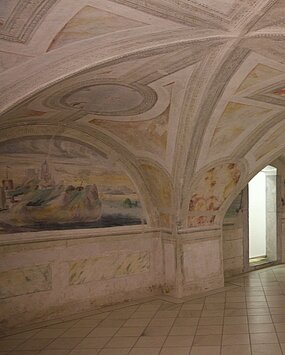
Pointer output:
x,y
55,183
58,273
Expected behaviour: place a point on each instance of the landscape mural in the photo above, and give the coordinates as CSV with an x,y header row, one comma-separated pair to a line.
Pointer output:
x,y
56,183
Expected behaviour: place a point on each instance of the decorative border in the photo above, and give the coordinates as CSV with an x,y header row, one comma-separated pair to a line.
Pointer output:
x,y
24,19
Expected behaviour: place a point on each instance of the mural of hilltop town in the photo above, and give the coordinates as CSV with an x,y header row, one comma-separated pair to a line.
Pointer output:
x,y
51,184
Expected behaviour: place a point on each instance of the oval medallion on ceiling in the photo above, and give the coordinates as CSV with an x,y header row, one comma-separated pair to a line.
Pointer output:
x,y
105,98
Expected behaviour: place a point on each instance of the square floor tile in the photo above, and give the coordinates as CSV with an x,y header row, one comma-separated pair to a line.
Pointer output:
x,y
235,329
185,322
34,344
103,332
207,340
262,328
235,320
235,339
121,342
90,343
263,338
176,351
150,341
209,329
154,331
236,350
180,330
144,351
266,349
131,331
205,350
179,341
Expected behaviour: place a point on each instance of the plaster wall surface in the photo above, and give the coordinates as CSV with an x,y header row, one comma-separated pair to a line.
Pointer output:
x,y
48,279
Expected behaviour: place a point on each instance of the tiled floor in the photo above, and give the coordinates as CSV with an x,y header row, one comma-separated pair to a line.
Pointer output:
x,y
247,317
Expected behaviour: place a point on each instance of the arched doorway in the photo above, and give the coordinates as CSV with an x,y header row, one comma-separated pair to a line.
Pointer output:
x,y
252,225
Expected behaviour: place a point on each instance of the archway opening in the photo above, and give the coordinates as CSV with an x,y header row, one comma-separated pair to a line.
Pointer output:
x,y
262,217
253,225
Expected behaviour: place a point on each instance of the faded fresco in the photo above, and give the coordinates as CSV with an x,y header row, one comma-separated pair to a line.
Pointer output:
x,y
50,184
211,192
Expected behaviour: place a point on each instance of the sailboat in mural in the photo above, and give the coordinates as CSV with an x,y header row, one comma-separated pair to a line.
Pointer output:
x,y
40,198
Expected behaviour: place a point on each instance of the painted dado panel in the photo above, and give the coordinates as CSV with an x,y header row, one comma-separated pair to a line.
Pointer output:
x,y
201,260
78,271
24,281
108,267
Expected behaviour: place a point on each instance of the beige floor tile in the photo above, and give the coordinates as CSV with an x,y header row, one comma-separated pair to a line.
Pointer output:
x,y
263,311
209,329
87,323
180,330
283,347
63,325
123,351
154,331
256,305
121,342
261,328
131,331
178,341
266,349
281,337
185,322
204,340
263,338
235,329
278,318
235,339
235,305
144,351
235,320
157,322
85,352
176,351
280,327
33,344
236,350
211,321
76,332
143,314
189,314
192,306
103,332
150,341
166,314
136,322
49,333
101,316
22,335
212,313
205,350
112,323
235,312
259,319
214,306
90,343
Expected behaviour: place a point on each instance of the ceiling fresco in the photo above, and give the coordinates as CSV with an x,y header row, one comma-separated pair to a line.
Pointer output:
x,y
186,97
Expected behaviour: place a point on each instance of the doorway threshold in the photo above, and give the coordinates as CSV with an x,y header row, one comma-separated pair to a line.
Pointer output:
x,y
260,262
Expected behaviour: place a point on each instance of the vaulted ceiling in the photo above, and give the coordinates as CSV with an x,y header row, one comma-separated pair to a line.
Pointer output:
x,y
188,95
